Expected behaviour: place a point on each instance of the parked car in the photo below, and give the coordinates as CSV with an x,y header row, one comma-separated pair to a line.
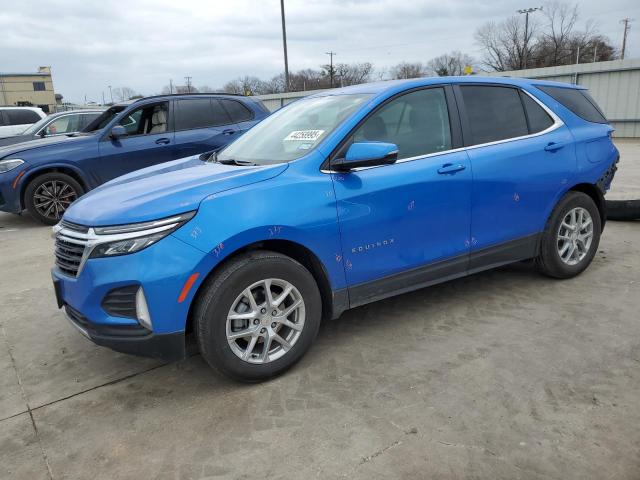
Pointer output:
x,y
62,123
45,176
337,200
15,120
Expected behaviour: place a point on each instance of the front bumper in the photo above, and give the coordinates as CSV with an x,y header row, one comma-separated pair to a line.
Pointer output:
x,y
168,347
162,270
10,186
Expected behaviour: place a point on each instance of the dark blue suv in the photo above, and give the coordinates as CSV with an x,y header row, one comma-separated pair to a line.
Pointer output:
x,y
46,176
334,201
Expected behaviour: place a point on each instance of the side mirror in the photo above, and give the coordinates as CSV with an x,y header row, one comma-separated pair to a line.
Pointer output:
x,y
42,133
366,154
118,131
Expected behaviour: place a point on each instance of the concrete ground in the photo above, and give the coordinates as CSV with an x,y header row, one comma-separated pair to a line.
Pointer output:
x,y
505,374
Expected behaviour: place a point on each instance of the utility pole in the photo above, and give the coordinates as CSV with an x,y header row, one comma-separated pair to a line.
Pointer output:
x,y
626,22
111,93
331,54
188,80
103,97
526,12
284,45
170,86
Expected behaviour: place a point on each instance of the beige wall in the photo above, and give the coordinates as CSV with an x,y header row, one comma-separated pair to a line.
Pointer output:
x,y
19,88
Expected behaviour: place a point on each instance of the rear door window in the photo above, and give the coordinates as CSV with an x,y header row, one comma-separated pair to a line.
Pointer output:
x,y
237,111
21,117
200,113
539,120
578,101
494,113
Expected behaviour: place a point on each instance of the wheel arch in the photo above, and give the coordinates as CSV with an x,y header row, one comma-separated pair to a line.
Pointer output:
x,y
596,195
295,250
66,169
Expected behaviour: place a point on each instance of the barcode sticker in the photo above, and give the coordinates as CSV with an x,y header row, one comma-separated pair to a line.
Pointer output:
x,y
304,136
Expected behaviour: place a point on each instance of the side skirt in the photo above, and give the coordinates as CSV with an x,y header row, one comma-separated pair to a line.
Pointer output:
x,y
445,270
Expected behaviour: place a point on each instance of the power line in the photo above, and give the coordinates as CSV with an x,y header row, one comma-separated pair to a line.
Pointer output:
x,y
331,54
626,22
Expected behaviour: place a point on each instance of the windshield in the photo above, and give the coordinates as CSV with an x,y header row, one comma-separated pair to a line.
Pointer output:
x,y
36,126
293,131
102,121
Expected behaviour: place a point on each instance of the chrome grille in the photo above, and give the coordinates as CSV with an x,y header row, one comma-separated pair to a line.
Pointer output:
x,y
70,245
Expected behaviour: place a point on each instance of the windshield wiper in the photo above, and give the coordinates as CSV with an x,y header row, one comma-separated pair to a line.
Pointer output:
x,y
241,163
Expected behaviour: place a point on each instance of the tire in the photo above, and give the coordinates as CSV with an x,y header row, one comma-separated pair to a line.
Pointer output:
x,y
62,187
623,210
227,289
556,236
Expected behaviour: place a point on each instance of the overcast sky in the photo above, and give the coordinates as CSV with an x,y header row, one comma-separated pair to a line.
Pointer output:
x,y
143,43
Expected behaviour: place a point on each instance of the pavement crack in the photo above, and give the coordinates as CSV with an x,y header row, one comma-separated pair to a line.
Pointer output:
x,y
26,402
379,452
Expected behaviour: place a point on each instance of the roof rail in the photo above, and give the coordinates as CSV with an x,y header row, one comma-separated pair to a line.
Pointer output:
x,y
195,94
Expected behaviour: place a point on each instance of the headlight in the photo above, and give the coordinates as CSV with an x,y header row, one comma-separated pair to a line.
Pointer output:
x,y
124,239
10,164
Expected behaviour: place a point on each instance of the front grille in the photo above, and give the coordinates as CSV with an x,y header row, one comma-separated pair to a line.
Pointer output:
x,y
121,302
71,240
74,227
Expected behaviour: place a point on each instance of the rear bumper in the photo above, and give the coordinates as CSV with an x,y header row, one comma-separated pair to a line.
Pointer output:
x,y
134,341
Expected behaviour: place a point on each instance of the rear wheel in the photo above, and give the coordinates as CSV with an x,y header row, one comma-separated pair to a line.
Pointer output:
x,y
257,316
571,237
48,196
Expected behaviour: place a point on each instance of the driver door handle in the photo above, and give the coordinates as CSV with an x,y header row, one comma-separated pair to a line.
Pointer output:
x,y
163,141
450,168
228,131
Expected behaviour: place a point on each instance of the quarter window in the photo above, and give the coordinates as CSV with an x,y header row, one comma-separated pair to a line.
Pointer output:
x,y
237,111
200,113
494,113
578,101
418,123
539,120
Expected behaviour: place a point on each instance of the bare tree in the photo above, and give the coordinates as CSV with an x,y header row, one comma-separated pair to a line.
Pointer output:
x,y
247,85
205,89
124,93
452,63
352,73
554,41
408,70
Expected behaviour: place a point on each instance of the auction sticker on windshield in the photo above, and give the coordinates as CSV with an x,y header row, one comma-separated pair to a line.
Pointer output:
x,y
304,136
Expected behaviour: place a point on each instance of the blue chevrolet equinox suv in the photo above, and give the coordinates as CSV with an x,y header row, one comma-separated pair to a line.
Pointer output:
x,y
46,176
336,200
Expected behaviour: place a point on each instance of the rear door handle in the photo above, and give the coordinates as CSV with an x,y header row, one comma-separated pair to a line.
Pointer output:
x,y
163,141
553,146
450,168
228,131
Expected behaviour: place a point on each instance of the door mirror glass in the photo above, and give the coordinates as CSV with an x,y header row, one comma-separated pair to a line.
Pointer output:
x,y
118,131
367,154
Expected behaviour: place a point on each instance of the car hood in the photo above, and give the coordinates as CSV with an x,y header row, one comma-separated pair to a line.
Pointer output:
x,y
19,148
163,190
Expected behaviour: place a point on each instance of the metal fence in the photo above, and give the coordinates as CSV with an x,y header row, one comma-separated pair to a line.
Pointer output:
x,y
615,85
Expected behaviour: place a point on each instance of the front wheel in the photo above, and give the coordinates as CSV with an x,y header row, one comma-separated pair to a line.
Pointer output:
x,y
48,196
257,316
571,237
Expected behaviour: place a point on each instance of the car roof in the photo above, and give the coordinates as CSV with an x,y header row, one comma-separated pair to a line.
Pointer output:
x,y
35,109
399,85
82,110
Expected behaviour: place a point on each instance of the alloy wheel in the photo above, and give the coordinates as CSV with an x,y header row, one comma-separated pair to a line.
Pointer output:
x,y
52,198
575,235
265,321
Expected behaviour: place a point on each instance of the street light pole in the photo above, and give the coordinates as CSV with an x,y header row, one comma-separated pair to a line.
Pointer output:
x,y
284,45
111,93
526,12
